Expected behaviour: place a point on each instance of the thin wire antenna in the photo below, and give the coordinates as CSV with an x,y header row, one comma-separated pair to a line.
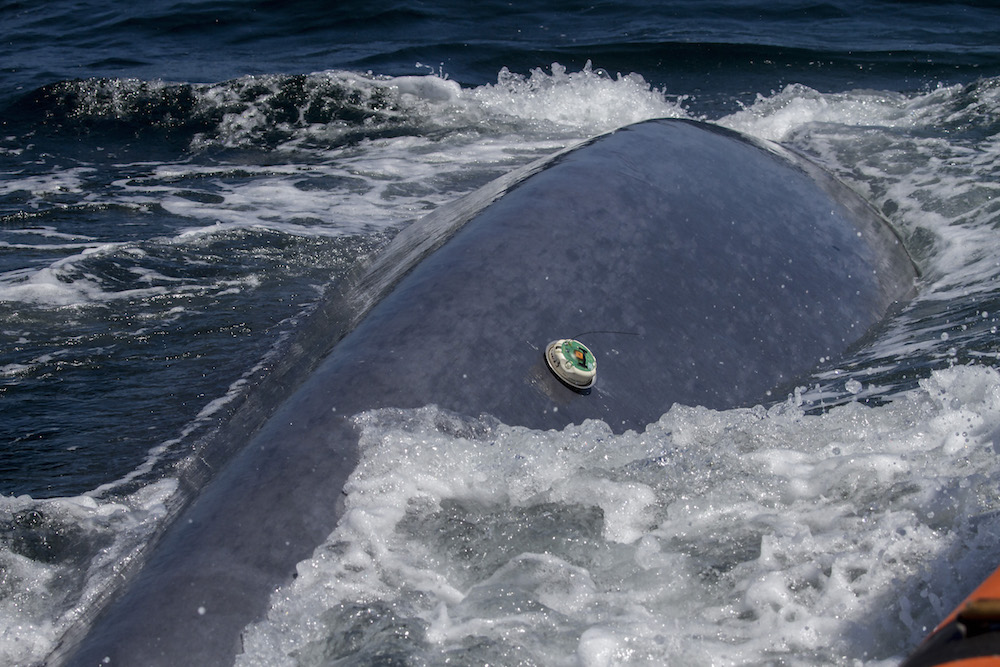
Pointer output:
x,y
620,333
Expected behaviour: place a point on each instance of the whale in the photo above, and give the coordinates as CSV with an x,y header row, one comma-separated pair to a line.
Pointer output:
x,y
695,264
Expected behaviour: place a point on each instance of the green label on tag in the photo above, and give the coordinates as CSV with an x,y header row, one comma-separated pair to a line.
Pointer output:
x,y
579,355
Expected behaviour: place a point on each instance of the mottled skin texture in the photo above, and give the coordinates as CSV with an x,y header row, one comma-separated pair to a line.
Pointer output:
x,y
732,267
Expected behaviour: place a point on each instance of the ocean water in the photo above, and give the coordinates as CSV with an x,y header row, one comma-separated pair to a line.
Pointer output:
x,y
181,182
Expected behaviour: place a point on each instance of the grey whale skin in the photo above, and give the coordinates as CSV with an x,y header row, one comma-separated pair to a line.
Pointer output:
x,y
734,264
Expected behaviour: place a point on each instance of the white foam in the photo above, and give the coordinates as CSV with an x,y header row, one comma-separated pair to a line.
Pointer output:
x,y
726,537
905,145
327,189
89,540
63,283
389,183
589,100
929,162
430,88
392,180
779,117
46,232
43,185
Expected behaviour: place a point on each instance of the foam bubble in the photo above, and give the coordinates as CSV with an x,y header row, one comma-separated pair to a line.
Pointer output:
x,y
430,88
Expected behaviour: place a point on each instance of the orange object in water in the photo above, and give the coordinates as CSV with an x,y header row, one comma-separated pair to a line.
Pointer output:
x,y
969,636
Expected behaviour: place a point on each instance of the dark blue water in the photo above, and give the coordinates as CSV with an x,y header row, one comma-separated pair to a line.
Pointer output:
x,y
180,182
690,47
